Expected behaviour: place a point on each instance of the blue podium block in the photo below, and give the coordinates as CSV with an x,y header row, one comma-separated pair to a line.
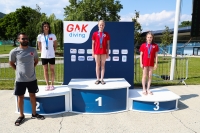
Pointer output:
x,y
48,102
90,98
162,100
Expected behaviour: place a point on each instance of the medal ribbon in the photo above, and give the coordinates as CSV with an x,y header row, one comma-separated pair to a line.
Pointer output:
x,y
149,49
101,39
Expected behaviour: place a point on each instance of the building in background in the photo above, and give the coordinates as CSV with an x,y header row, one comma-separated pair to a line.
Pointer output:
x,y
183,47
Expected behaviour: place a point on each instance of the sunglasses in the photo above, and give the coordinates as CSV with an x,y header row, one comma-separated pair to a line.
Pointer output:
x,y
25,39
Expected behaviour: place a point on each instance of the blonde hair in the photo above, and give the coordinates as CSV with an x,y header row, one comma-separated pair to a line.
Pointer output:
x,y
101,21
150,33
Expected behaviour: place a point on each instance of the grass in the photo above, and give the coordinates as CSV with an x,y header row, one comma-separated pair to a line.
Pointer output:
x,y
163,68
8,75
5,49
164,65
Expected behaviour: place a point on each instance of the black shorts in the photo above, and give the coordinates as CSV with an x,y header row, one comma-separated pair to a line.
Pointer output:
x,y
20,87
46,61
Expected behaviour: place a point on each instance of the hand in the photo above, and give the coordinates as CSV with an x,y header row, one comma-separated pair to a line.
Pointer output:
x,y
155,67
93,55
107,56
141,65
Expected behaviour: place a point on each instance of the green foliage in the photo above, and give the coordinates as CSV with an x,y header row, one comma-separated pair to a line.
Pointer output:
x,y
138,30
185,24
166,39
56,27
9,27
93,10
23,19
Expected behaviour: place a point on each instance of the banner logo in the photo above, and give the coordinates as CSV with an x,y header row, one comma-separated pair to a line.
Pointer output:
x,y
89,51
124,51
81,58
90,58
77,32
115,58
124,58
73,51
81,51
73,58
115,51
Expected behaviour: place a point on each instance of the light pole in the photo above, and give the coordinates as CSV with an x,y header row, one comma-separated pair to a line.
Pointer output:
x,y
177,16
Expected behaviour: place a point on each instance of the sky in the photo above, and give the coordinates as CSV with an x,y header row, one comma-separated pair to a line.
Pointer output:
x,y
154,15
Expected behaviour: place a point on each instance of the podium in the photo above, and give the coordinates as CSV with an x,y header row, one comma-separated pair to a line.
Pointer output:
x,y
162,100
87,97
48,102
84,96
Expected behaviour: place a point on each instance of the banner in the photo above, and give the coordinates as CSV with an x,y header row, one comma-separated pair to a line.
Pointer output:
x,y
78,60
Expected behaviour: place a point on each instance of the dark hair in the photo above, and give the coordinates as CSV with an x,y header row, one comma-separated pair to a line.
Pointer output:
x,y
21,33
42,31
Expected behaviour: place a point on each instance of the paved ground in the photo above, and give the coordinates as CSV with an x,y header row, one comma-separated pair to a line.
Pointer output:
x,y
184,120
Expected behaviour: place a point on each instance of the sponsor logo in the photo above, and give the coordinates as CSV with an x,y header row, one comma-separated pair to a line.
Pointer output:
x,y
124,51
115,58
73,58
108,59
77,32
115,51
81,58
124,58
89,51
109,51
81,51
90,58
73,51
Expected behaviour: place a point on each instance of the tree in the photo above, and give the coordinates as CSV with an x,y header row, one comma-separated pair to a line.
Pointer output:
x,y
185,24
56,27
166,39
8,26
23,19
31,24
93,10
137,32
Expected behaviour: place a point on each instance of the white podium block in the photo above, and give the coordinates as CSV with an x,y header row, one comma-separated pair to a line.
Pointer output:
x,y
162,100
48,102
87,97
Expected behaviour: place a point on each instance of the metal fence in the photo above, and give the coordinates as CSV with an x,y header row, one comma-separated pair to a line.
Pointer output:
x,y
162,73
7,73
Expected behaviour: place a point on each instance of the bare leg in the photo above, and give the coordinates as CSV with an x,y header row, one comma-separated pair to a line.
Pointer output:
x,y
144,76
21,110
97,59
46,74
150,71
21,105
52,68
33,102
103,61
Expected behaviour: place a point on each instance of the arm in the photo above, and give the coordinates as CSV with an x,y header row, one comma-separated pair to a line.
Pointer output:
x,y
12,64
141,64
156,61
55,45
39,46
108,47
35,62
93,48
